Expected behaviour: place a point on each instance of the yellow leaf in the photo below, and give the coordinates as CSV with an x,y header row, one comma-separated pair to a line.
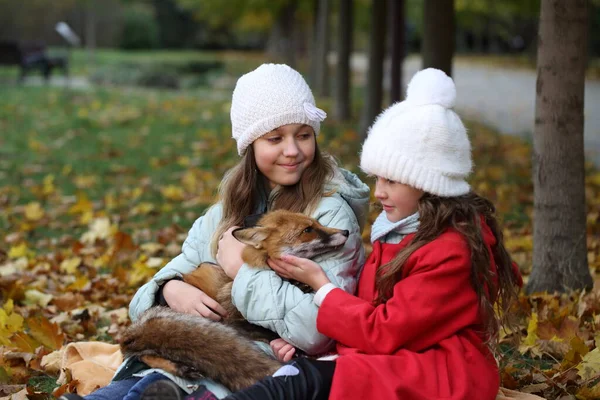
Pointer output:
x,y
589,367
136,193
100,228
18,251
48,185
143,208
172,192
140,272
189,182
34,211
69,266
36,297
86,217
101,261
80,283
532,337
577,347
82,205
9,323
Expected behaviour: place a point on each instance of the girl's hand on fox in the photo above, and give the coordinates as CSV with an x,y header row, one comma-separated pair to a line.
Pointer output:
x,y
185,298
282,349
300,269
229,253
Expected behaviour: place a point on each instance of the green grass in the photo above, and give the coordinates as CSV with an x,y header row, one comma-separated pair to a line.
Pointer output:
x,y
83,63
118,142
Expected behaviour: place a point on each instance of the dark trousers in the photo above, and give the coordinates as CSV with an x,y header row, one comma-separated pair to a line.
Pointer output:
x,y
301,379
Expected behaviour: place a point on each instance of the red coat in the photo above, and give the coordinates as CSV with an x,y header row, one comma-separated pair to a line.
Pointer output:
x,y
423,343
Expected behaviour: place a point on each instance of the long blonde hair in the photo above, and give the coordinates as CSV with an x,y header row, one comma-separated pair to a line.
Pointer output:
x,y
243,187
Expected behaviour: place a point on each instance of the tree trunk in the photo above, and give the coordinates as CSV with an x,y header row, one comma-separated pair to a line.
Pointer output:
x,y
438,35
321,85
342,94
282,39
314,43
397,49
559,234
374,85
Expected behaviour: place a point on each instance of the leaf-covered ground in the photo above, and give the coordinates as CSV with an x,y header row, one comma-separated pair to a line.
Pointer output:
x,y
98,189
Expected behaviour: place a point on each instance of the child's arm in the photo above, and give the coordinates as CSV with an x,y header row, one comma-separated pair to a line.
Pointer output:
x,y
195,250
433,302
265,299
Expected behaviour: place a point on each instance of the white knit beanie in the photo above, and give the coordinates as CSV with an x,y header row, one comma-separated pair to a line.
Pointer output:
x,y
421,142
271,96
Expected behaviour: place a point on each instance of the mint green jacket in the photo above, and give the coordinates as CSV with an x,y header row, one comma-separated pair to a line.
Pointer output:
x,y
262,296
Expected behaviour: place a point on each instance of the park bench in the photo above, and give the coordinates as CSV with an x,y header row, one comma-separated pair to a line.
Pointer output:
x,y
31,57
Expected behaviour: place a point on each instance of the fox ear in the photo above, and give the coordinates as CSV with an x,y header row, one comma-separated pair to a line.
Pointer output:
x,y
252,236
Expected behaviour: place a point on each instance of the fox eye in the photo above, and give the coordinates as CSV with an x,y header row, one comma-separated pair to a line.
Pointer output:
x,y
308,230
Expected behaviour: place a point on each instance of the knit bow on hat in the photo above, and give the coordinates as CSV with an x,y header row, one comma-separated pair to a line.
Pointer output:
x,y
421,142
271,96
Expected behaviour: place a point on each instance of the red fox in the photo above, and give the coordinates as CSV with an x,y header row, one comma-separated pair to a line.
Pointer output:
x,y
194,347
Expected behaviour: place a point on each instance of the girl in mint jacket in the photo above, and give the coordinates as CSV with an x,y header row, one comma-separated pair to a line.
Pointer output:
x,y
275,123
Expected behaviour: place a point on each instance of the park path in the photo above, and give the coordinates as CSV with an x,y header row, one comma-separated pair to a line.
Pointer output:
x,y
504,98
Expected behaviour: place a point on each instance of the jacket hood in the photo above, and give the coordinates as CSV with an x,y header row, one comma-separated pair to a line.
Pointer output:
x,y
354,191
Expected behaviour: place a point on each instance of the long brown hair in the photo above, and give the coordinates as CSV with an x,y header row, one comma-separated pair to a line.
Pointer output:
x,y
463,214
244,186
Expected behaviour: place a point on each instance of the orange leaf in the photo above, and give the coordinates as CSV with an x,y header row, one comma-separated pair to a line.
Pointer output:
x,y
46,332
23,342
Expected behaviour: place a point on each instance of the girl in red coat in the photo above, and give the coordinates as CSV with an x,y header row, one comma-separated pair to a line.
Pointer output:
x,y
437,286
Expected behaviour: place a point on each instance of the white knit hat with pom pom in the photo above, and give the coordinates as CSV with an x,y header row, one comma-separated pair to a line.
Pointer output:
x,y
421,142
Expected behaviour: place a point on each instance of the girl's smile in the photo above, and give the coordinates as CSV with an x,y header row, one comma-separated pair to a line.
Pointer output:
x,y
283,154
290,167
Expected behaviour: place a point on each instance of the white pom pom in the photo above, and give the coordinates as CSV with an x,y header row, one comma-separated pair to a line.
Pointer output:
x,y
431,86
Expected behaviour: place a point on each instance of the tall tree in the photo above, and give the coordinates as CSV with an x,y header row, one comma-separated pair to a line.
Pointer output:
x,y
321,79
438,35
374,88
343,100
559,224
397,48
282,37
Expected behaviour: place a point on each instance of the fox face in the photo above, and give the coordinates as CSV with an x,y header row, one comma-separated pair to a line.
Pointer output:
x,y
284,232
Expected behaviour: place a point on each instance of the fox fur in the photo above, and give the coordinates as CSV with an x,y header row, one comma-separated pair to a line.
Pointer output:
x,y
193,347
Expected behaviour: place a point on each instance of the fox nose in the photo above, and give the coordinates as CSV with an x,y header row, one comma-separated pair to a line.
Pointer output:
x,y
345,232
